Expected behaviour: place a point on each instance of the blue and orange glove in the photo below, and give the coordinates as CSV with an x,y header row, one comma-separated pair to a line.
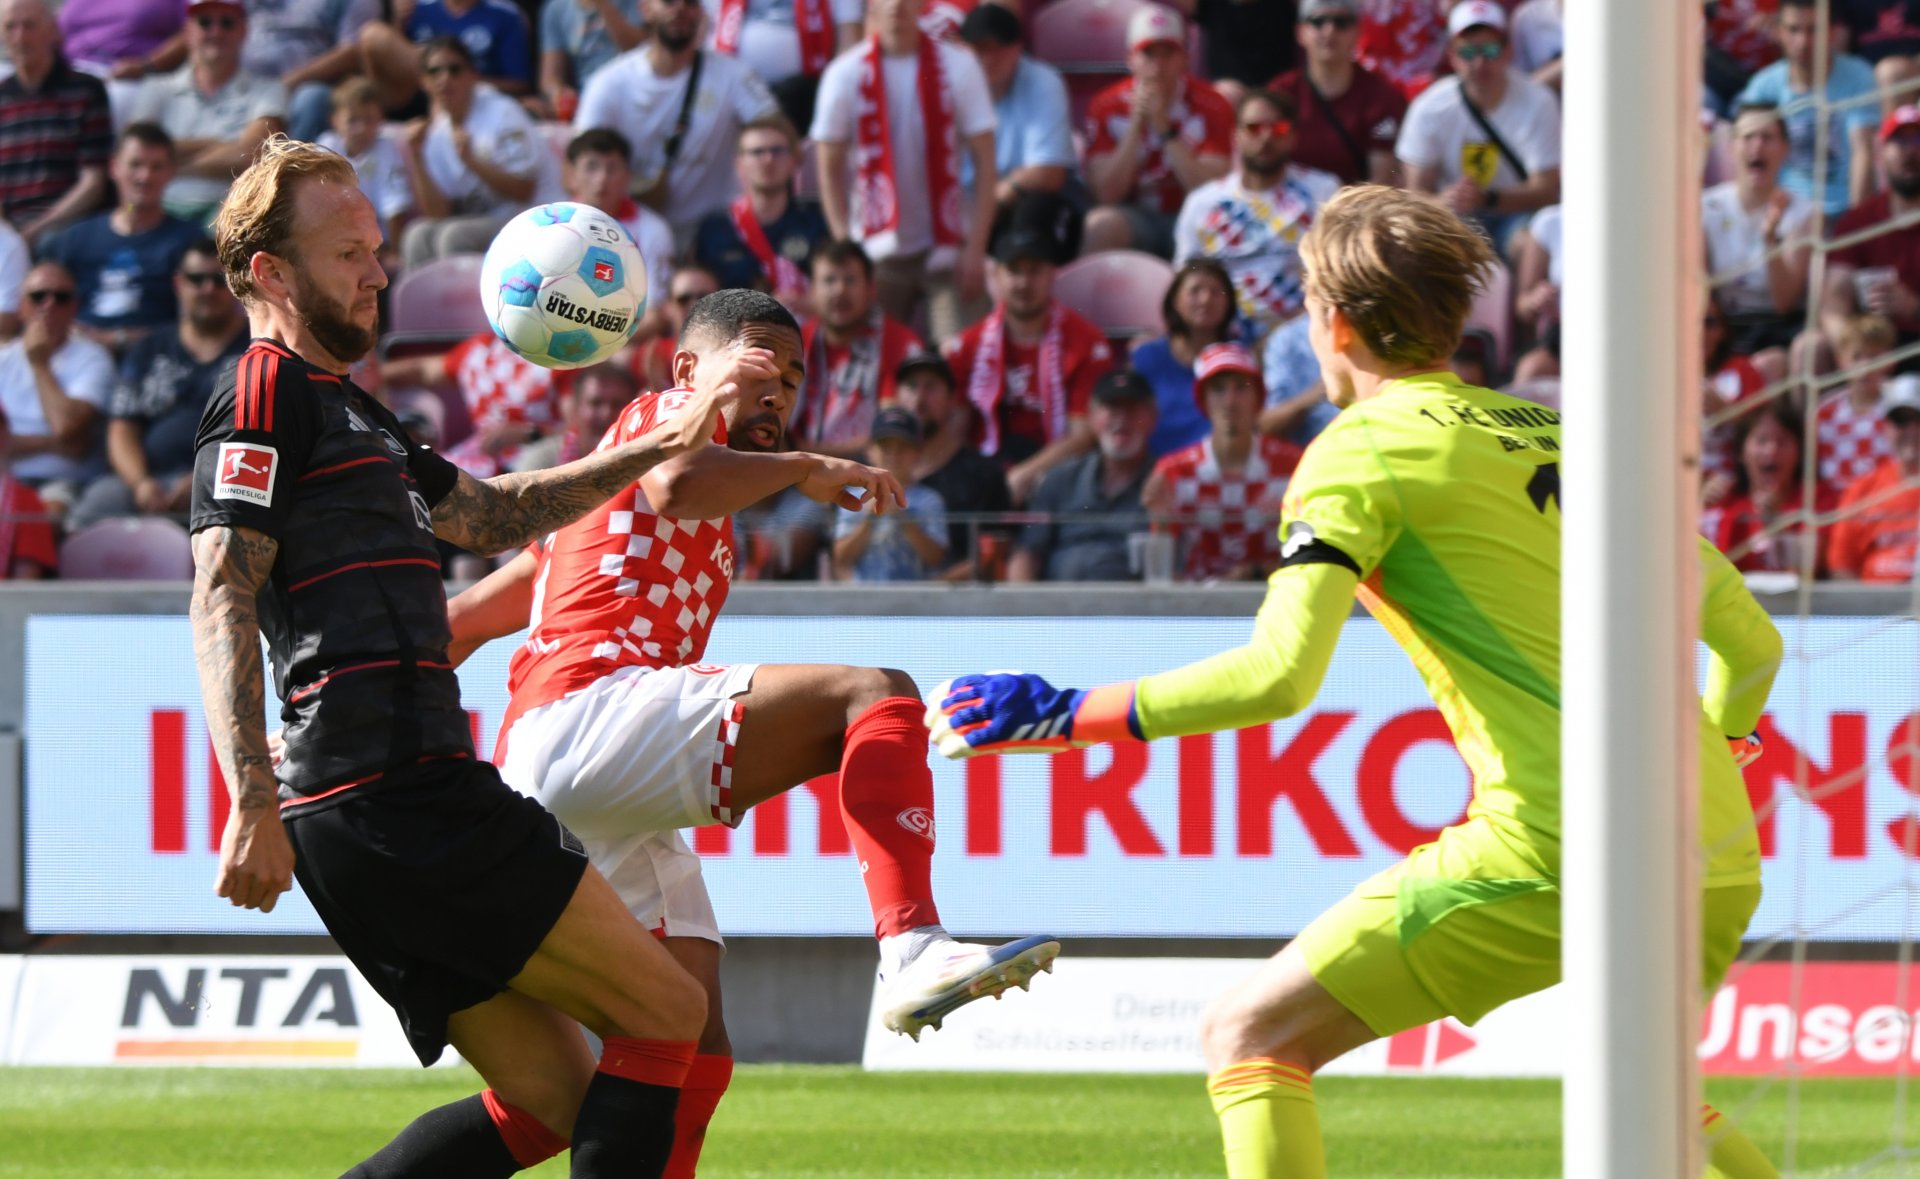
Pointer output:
x,y
1746,750
1012,712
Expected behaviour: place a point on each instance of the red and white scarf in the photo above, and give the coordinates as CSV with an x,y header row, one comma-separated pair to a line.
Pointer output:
x,y
812,19
875,183
987,383
838,405
783,274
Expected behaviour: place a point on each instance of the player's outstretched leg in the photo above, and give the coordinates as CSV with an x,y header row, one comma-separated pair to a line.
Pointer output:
x,y
801,722
712,1069
601,968
1264,1040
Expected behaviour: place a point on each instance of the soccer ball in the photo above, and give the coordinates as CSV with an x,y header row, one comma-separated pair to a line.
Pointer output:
x,y
563,285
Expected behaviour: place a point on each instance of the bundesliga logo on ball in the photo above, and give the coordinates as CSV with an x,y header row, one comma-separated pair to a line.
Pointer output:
x,y
563,285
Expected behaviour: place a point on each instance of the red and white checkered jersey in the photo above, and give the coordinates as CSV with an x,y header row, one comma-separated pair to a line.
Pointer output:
x,y
500,386
1226,519
623,586
1851,441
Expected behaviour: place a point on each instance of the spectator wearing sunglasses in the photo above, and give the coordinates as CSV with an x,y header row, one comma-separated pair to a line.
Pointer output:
x,y
1486,139
498,39
54,383
163,386
1349,115
217,114
123,261
1252,220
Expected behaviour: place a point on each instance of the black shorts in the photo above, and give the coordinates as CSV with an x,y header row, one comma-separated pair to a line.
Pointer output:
x,y
439,882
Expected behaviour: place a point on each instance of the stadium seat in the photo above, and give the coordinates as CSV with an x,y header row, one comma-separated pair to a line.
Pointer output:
x,y
146,548
425,402
1086,40
1119,290
1492,319
437,304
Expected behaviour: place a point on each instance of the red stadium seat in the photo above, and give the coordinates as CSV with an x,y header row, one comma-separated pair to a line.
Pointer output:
x,y
437,304
1119,290
1083,36
147,548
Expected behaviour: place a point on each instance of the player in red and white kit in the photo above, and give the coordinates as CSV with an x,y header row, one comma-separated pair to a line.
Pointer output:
x,y
617,727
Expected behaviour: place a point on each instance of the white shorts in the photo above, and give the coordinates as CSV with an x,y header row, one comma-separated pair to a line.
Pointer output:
x,y
624,763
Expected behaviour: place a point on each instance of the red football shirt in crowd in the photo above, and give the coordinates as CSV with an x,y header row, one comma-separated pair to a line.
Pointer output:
x,y
1875,537
1370,110
1200,118
1898,248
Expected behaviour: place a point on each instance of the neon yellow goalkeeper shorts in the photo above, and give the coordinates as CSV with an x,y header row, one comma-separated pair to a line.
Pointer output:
x,y
1464,924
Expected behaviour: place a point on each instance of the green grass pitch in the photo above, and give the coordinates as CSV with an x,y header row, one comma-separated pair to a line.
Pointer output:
x,y
798,1121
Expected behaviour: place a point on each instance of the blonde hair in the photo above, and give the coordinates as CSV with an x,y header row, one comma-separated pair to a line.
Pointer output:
x,y
257,216
1865,333
1401,267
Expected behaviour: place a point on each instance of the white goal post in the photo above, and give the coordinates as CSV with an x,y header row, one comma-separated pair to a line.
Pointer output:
x,y
1631,359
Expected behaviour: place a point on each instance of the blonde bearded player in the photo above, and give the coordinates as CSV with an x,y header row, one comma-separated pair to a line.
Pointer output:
x,y
1437,503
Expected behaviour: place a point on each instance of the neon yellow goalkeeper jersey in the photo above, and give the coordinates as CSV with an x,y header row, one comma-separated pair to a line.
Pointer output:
x,y
1445,497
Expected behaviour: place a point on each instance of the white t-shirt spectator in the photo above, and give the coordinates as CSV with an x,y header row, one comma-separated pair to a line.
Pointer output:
x,y
1439,132
174,102
1539,34
503,132
85,372
1545,230
836,110
627,96
14,260
382,172
769,39
1735,242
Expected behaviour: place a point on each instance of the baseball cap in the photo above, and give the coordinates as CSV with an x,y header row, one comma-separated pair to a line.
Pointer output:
x,y
897,423
1901,392
1473,14
1154,24
1025,242
926,361
990,24
1122,386
1313,8
1215,359
1898,119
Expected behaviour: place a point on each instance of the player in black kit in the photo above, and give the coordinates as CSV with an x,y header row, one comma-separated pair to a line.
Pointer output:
x,y
470,908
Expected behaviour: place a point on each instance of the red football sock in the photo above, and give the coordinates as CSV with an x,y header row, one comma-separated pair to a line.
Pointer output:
x,y
706,1084
526,1136
886,796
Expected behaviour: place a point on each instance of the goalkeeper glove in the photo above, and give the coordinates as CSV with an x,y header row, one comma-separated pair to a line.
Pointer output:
x,y
1746,750
1011,712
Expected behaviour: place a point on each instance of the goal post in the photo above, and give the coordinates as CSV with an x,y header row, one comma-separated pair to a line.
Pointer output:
x,y
1631,393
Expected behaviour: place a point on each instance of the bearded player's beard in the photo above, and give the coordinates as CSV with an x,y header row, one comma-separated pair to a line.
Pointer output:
x,y
331,323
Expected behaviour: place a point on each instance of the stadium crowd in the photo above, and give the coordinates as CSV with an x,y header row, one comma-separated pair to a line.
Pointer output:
x,y
1047,258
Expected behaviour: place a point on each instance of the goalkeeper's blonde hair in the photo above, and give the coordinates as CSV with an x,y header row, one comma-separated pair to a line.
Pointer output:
x,y
1402,268
257,216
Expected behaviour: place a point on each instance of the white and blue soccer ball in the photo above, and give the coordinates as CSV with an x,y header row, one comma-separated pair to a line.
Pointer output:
x,y
563,285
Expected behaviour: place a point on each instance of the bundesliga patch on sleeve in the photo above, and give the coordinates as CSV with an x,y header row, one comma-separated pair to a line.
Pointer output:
x,y
246,473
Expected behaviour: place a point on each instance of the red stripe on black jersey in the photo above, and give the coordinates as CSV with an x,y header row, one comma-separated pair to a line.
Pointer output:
x,y
257,375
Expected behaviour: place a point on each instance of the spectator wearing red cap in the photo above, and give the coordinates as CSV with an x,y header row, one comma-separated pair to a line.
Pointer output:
x,y
1813,81
1220,497
1879,527
56,130
1349,116
1881,273
1486,139
1029,367
1153,138
1252,221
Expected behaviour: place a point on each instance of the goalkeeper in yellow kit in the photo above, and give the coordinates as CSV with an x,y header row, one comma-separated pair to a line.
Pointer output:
x,y
1437,504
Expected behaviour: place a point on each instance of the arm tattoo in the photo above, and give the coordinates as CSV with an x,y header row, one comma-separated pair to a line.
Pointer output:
x,y
494,515
230,566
